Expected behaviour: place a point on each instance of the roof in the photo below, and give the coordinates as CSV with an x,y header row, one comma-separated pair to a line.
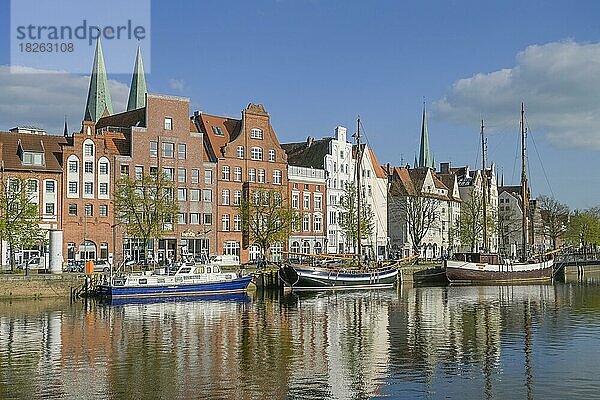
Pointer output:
x,y
213,141
409,182
49,144
310,153
118,143
125,119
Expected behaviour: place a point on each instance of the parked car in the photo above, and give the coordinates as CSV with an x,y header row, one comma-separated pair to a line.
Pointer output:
x,y
74,266
101,266
36,263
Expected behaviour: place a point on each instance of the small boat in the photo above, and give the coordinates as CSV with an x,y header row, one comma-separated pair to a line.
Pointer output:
x,y
189,280
482,267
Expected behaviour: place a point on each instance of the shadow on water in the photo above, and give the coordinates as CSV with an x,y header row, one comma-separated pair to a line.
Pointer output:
x,y
468,342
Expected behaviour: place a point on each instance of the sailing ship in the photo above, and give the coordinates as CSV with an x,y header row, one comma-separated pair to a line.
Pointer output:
x,y
345,272
485,266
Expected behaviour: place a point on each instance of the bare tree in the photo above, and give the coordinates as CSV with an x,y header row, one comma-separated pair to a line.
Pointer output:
x,y
509,224
19,217
470,224
146,206
555,218
420,212
349,219
266,218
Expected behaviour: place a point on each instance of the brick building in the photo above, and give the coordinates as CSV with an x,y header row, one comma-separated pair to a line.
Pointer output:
x,y
29,154
247,155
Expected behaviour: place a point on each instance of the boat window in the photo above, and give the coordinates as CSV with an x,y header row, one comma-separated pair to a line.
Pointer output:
x,y
216,269
185,270
161,280
208,270
143,281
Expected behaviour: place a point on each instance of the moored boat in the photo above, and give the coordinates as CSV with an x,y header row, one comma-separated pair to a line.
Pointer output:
x,y
189,280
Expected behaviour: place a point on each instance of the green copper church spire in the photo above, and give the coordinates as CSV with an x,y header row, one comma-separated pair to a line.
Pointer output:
x,y
425,159
137,91
99,103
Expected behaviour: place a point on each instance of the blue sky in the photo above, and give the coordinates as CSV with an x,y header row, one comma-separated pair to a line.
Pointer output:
x,y
317,64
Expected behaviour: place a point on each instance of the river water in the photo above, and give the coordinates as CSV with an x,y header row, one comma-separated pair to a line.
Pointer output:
x,y
462,342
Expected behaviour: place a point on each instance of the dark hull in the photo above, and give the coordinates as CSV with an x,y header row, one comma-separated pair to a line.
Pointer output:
x,y
467,275
308,278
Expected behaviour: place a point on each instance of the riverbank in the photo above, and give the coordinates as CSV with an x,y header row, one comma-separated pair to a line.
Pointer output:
x,y
36,286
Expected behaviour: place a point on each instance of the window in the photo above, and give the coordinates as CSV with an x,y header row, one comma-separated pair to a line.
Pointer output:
x,y
306,223
169,172
261,176
333,217
277,199
318,223
153,149
318,202
89,210
195,175
207,176
295,200
72,187
252,175
49,208
124,170
237,174
31,158
306,201
195,195
103,168
73,166
256,133
207,195
225,222
88,167
181,175
207,219
88,149
139,172
194,218
240,151
318,188
225,173
103,251
32,186
182,194
277,177
50,186
237,223
217,130
88,188
341,153
153,171
272,155
169,123
72,209
104,188
231,248
237,197
181,151
103,210
181,218
225,197
168,149
256,153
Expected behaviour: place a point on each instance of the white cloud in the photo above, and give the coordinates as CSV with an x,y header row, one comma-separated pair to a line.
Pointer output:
x,y
559,83
176,84
42,98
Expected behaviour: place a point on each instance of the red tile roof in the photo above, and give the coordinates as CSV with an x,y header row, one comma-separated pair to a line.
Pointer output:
x,y
49,144
214,142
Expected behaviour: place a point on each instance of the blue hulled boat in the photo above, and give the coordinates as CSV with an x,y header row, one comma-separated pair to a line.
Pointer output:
x,y
189,280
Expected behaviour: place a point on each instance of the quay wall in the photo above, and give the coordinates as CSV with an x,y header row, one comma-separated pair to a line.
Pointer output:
x,y
38,286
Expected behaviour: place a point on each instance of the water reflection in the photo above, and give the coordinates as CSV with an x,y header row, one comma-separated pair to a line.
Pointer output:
x,y
424,342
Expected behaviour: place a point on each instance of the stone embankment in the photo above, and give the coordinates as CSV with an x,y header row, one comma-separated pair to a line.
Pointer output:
x,y
38,285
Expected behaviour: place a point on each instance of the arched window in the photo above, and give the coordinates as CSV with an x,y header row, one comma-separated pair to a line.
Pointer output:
x,y
318,248
295,248
306,247
254,252
73,176
256,133
256,153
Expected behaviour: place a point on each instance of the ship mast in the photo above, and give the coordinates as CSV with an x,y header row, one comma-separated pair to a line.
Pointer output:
x,y
524,181
483,185
359,189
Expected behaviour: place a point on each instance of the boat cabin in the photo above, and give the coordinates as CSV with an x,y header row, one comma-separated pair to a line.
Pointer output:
x,y
478,258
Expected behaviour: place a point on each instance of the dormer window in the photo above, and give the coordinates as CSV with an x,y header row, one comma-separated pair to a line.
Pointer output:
x,y
217,130
33,158
256,133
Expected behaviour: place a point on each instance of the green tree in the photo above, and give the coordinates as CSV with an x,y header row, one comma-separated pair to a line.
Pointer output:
x,y
555,218
348,220
19,217
266,218
584,229
470,224
146,206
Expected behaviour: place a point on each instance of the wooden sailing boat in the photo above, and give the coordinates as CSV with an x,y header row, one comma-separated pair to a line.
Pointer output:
x,y
484,266
348,272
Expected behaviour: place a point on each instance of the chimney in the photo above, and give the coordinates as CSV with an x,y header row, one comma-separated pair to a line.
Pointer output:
x,y
309,141
445,168
197,113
